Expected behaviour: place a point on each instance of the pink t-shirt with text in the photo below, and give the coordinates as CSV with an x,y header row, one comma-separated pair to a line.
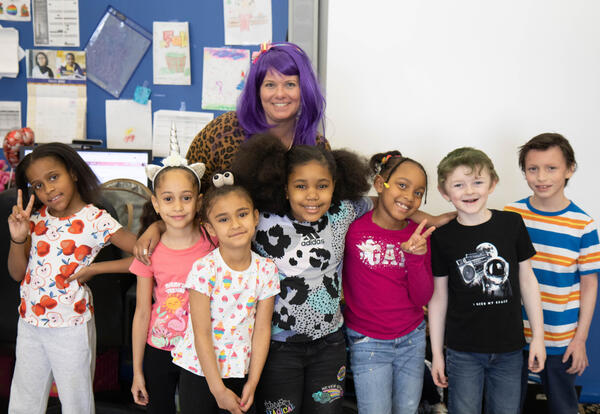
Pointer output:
x,y
385,288
170,309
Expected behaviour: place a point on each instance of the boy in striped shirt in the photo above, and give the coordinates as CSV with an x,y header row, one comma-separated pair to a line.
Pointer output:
x,y
566,265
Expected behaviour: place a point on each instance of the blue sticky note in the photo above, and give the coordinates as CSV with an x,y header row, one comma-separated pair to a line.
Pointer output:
x,y
141,95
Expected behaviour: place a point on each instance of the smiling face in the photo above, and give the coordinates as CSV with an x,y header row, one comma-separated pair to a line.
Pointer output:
x,y
280,97
70,58
546,172
401,197
468,189
232,218
310,190
54,186
176,198
41,59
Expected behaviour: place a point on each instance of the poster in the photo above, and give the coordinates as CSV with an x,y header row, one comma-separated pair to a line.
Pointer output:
x,y
247,22
56,94
224,77
56,23
16,10
171,57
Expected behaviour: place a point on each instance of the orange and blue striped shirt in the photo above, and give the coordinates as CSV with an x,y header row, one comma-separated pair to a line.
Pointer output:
x,y
567,248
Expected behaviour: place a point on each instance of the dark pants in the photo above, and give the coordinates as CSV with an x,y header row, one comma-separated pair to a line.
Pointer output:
x,y
195,396
558,385
161,376
304,377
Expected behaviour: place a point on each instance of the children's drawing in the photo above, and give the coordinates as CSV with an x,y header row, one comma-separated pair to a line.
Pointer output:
x,y
171,53
128,124
247,22
17,10
224,77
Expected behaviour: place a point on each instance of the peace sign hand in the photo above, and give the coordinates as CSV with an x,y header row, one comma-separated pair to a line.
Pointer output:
x,y
417,244
18,221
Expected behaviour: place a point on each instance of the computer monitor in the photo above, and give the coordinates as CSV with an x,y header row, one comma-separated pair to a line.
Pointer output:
x,y
109,164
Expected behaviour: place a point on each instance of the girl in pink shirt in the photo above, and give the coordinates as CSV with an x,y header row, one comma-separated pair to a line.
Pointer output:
x,y
387,280
159,326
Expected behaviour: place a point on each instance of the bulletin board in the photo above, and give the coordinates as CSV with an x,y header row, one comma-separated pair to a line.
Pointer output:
x,y
206,26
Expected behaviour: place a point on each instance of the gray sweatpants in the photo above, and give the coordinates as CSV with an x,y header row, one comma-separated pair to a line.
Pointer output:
x,y
65,355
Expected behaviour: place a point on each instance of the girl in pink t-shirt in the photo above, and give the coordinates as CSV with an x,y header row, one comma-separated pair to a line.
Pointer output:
x,y
387,280
159,326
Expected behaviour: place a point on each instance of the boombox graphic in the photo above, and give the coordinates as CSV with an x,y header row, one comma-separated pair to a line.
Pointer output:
x,y
485,269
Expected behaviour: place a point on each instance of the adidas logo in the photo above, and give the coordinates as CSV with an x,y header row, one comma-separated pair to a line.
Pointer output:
x,y
312,239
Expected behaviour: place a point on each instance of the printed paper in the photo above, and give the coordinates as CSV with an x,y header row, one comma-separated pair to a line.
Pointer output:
x,y
188,125
10,117
56,23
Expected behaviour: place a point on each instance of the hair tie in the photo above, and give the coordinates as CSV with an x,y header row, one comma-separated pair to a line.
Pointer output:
x,y
264,47
219,180
175,160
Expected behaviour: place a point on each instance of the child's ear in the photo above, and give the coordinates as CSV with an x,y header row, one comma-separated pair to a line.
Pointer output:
x,y
378,183
155,204
210,229
256,217
443,192
493,186
570,171
73,176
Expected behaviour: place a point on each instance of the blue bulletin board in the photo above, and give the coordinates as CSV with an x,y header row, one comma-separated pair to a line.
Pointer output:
x,y
206,25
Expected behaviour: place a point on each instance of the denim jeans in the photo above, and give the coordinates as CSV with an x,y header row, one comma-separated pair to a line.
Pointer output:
x,y
388,374
470,372
304,378
559,386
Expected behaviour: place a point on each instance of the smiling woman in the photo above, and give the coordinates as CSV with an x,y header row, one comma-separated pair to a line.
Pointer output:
x,y
282,96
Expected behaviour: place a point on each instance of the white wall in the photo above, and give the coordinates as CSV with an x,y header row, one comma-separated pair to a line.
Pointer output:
x,y
428,76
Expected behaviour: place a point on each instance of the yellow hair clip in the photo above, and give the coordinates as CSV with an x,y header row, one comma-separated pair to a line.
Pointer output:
x,y
386,185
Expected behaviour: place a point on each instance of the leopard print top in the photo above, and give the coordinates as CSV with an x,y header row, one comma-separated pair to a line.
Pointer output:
x,y
218,142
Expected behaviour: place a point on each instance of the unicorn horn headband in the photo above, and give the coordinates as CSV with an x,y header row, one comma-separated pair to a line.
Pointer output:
x,y
175,160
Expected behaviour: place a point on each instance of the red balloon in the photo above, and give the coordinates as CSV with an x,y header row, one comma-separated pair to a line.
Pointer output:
x,y
13,142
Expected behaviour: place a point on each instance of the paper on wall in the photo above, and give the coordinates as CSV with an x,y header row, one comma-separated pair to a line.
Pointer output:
x,y
224,77
171,57
247,22
128,124
9,52
56,112
56,66
16,10
10,117
56,23
188,125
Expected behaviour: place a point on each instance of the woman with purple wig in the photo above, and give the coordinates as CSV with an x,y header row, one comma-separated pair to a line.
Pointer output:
x,y
281,96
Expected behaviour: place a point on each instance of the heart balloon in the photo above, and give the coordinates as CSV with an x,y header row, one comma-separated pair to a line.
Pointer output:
x,y
13,142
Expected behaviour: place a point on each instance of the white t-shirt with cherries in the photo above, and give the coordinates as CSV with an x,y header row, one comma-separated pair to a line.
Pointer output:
x,y
233,298
59,247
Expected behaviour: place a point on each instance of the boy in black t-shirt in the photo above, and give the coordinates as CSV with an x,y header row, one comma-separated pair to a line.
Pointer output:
x,y
482,271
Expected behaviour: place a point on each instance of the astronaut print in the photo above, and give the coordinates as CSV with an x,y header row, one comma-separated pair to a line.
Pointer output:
x,y
486,271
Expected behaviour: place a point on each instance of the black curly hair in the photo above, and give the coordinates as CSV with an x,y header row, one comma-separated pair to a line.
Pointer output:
x,y
263,164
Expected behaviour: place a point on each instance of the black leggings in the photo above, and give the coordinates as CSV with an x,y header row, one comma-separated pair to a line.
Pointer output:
x,y
195,396
161,376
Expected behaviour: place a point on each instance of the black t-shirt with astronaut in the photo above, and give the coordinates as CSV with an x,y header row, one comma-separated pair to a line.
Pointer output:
x,y
482,265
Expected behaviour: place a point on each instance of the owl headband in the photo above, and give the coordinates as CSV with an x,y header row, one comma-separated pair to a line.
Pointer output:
x,y
175,160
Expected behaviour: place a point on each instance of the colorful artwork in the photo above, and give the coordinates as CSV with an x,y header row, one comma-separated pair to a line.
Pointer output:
x,y
171,53
247,22
224,77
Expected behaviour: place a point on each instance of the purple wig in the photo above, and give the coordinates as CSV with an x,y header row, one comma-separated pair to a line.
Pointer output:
x,y
290,60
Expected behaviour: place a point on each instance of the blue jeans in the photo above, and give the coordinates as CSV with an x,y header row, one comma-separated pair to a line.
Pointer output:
x,y
388,374
558,385
470,372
